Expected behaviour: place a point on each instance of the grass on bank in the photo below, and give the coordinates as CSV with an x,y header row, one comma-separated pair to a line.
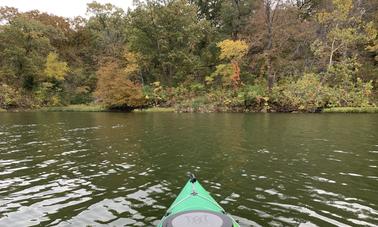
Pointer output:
x,y
100,108
351,110
76,108
155,110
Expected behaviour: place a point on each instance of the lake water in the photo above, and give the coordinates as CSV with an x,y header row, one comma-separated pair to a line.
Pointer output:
x,y
119,169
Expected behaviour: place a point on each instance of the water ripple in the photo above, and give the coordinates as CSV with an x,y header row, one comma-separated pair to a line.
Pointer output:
x,y
68,169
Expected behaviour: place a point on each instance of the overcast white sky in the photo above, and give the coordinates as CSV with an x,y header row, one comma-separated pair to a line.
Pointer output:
x,y
66,8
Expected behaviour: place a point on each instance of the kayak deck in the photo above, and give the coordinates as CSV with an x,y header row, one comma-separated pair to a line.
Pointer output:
x,y
194,207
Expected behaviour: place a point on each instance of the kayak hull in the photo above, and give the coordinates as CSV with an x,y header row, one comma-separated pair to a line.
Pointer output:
x,y
194,206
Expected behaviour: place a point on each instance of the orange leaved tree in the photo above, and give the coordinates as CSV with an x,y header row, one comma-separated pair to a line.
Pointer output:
x,y
116,90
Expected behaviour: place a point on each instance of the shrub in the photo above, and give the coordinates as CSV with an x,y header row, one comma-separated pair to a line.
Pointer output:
x,y
254,96
9,97
155,94
197,88
354,95
305,94
47,95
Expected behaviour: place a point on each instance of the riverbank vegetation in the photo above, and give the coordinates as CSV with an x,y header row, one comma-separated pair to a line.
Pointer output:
x,y
194,56
75,108
351,110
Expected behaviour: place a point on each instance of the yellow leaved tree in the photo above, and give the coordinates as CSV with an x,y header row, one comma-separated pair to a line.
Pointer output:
x,y
232,51
54,68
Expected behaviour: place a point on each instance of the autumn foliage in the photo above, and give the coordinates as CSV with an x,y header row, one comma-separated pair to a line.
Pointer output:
x,y
55,69
116,90
260,55
232,52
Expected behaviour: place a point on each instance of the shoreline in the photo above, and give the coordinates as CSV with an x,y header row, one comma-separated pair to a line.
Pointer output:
x,y
100,108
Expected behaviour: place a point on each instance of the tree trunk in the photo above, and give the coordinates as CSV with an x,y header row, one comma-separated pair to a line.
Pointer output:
x,y
331,54
235,32
270,74
269,23
235,78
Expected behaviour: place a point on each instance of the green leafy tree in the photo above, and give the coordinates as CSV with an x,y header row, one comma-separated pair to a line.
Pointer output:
x,y
24,48
209,10
372,47
343,32
81,55
235,15
171,49
57,29
106,25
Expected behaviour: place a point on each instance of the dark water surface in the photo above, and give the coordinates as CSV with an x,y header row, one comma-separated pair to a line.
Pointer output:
x,y
117,169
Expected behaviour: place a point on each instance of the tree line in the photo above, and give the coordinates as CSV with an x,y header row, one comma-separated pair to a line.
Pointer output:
x,y
195,55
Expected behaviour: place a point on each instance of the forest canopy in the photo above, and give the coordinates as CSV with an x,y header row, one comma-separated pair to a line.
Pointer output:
x,y
194,55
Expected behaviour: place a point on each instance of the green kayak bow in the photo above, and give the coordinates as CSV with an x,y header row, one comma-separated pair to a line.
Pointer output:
x,y
194,207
